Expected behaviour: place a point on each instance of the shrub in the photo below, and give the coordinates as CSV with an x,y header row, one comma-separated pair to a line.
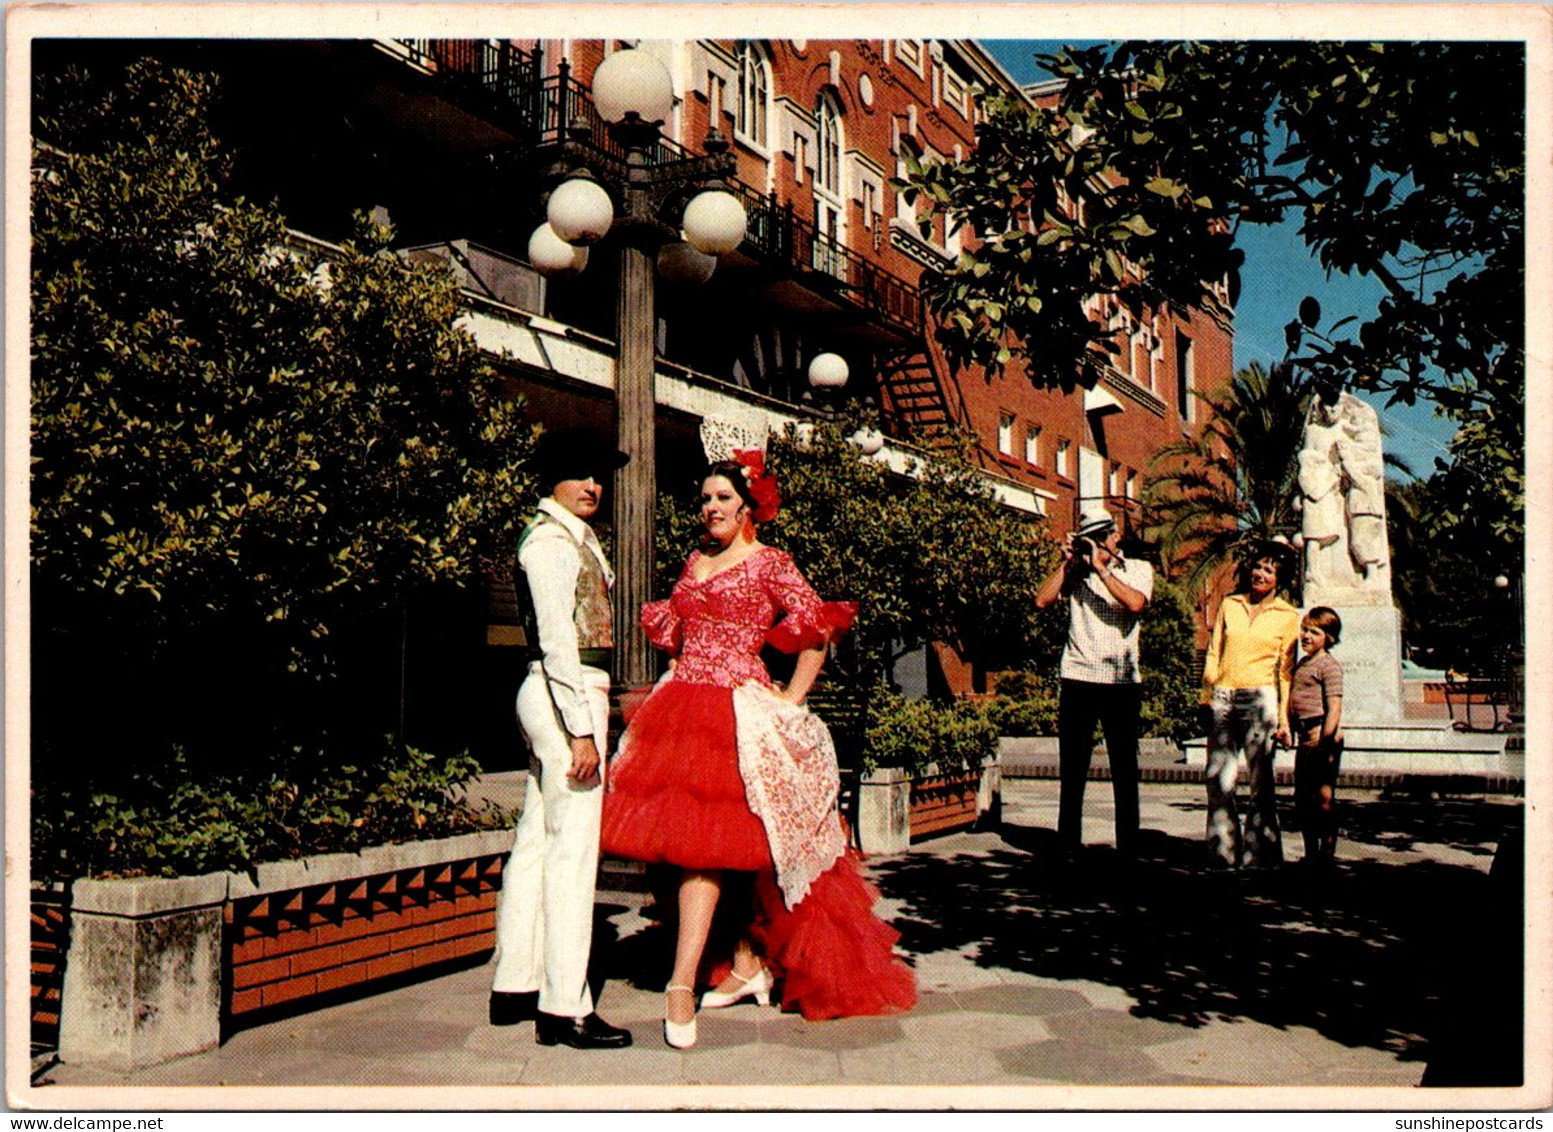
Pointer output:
x,y
1168,656
917,734
1025,704
175,820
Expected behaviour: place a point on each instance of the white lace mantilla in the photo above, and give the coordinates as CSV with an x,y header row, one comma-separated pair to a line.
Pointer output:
x,y
788,764
721,436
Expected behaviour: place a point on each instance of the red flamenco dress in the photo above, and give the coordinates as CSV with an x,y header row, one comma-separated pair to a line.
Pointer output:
x,y
716,772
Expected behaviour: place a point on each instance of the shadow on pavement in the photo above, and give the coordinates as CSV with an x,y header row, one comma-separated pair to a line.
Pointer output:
x,y
1363,954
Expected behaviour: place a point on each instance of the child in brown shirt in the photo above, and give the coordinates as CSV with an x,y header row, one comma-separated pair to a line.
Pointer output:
x,y
1316,716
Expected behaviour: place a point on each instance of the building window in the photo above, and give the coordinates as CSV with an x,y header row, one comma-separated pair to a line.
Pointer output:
x,y
1184,363
800,157
716,95
827,165
1006,434
1032,444
1065,458
1132,485
754,93
870,204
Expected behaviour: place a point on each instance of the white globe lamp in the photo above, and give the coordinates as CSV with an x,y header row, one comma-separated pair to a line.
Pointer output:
x,y
580,211
550,255
678,262
828,371
1501,582
632,82
715,222
868,441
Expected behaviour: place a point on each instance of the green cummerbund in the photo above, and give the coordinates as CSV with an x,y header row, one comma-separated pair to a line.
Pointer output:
x,y
596,658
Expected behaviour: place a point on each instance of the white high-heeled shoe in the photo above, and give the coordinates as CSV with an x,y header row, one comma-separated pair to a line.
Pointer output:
x,y
757,986
680,1035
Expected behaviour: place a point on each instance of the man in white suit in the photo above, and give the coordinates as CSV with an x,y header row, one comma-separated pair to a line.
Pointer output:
x,y
544,921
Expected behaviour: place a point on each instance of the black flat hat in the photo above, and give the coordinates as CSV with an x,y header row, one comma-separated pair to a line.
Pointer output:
x,y
575,454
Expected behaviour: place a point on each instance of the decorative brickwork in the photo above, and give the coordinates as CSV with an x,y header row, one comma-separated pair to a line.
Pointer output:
x,y
50,941
941,803
291,945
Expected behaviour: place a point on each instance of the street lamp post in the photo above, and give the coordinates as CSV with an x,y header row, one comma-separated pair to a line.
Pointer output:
x,y
633,92
828,375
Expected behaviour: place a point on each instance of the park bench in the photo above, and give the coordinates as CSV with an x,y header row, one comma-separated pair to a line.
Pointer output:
x,y
1472,700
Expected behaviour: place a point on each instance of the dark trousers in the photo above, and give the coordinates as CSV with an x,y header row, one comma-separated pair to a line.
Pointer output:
x,y
1115,707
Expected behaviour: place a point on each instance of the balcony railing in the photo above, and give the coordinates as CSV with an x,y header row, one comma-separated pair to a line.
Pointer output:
x,y
500,78
777,234
542,112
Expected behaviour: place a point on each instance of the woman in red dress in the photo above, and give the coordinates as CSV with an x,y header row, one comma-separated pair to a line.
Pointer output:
x,y
720,769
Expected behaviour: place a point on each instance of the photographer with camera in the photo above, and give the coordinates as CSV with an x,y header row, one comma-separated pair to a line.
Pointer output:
x,y
1107,593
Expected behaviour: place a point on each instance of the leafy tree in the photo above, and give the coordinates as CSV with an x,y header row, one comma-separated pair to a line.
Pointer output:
x,y
1233,481
1402,161
246,454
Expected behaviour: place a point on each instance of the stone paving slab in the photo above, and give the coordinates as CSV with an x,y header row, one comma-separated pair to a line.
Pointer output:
x,y
1029,976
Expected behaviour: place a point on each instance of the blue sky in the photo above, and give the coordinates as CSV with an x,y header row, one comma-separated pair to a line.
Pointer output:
x,y
1279,271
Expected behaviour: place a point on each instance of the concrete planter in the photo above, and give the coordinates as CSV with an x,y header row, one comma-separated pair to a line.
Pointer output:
x,y
158,968
894,809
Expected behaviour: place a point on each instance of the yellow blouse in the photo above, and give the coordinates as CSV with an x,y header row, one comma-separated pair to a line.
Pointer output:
x,y
1247,652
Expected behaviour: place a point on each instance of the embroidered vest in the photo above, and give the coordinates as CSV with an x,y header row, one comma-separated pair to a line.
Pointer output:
x,y
591,615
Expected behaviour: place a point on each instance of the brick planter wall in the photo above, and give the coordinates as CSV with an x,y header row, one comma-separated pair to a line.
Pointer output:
x,y
162,967
893,810
941,803
50,941
291,945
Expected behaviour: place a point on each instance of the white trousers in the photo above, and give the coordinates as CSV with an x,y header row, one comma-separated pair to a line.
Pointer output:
x,y
1244,720
544,918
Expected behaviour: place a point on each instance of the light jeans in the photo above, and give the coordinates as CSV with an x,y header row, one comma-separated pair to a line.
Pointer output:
x,y
544,919
1244,720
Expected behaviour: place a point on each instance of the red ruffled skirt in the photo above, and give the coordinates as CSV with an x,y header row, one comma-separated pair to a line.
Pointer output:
x,y
675,796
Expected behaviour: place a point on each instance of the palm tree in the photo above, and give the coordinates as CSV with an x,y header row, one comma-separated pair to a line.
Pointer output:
x,y
1233,481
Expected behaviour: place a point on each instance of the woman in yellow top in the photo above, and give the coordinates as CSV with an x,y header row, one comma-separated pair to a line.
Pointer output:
x,y
1246,687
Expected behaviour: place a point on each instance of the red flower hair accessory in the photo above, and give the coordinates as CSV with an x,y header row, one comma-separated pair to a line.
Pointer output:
x,y
763,486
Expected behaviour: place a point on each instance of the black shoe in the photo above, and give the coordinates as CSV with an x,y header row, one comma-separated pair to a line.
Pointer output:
x,y
591,1032
508,1008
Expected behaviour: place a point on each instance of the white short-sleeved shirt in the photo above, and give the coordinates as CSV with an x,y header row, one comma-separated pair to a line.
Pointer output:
x,y
1102,632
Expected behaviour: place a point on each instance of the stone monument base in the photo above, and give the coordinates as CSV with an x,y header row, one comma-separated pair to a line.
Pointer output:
x,y
1371,655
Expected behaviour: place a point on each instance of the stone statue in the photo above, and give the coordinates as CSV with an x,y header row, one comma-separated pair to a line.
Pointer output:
x,y
1343,504
1358,447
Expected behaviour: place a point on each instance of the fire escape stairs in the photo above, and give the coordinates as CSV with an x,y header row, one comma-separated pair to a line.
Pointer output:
x,y
920,402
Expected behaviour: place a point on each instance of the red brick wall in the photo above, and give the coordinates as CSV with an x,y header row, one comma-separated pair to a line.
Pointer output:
x,y
292,945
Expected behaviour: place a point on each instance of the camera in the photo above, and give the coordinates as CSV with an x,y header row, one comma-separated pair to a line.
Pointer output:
x,y
1078,566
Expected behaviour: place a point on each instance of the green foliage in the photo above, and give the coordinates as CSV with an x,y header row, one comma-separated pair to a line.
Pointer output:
x,y
1025,704
1454,616
183,818
1404,162
1235,480
223,420
248,455
918,734
931,556
1167,655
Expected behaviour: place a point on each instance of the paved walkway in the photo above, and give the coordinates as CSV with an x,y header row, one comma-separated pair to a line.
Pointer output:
x,y
1030,974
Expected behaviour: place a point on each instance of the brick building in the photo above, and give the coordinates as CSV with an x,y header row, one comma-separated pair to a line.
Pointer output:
x,y
458,141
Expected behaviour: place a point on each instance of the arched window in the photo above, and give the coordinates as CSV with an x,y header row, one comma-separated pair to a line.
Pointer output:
x,y
829,216
827,159
754,91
